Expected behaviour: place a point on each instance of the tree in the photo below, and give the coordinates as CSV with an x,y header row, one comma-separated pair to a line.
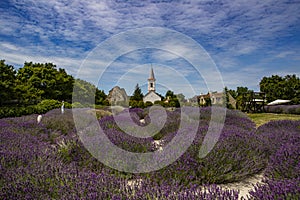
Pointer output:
x,y
136,100
137,94
169,94
84,92
241,90
100,97
36,81
7,82
171,99
277,87
180,97
241,95
232,92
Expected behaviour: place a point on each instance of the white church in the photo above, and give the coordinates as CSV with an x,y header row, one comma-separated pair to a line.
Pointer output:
x,y
151,96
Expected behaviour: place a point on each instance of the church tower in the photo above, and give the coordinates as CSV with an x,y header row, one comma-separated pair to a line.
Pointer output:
x,y
151,81
151,96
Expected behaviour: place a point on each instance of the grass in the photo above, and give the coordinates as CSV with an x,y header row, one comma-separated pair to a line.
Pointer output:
x,y
262,118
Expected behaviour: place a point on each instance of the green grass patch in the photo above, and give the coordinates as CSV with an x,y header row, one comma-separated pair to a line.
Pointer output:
x,y
262,118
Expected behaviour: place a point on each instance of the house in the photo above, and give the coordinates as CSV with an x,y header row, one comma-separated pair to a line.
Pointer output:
x,y
216,98
151,96
213,98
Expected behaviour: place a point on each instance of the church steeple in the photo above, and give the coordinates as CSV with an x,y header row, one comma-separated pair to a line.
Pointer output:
x,y
151,81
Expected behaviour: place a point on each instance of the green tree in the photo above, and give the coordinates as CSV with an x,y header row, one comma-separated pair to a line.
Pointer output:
x,y
7,82
137,94
136,100
180,97
171,99
133,104
277,87
174,103
84,92
232,92
241,90
169,94
36,81
100,97
242,95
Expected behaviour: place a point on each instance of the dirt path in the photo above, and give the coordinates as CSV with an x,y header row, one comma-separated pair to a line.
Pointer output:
x,y
244,186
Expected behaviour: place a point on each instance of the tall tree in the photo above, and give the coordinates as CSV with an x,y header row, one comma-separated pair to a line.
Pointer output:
x,y
242,95
137,94
7,82
43,81
100,97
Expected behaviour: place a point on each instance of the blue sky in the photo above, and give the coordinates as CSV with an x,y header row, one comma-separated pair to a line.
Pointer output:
x,y
246,40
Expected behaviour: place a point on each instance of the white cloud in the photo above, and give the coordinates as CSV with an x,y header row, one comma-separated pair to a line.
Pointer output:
x,y
9,46
63,32
70,64
284,54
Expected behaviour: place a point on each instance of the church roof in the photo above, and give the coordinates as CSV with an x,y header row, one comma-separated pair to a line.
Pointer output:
x,y
150,93
151,96
151,75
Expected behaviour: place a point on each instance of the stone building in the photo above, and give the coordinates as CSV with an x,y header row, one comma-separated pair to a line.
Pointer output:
x,y
216,98
151,96
117,96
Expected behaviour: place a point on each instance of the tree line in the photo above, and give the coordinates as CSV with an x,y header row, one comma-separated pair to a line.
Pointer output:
x,y
275,87
35,82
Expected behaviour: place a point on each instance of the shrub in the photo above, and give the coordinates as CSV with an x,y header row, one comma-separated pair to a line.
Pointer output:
x,y
281,139
148,104
56,121
288,189
286,109
237,154
77,105
47,105
41,108
285,163
275,134
31,167
68,105
71,151
281,142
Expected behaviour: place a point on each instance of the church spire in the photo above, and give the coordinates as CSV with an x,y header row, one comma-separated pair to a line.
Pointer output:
x,y
151,81
151,74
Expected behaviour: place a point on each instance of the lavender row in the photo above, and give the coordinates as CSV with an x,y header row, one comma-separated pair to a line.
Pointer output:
x,y
49,161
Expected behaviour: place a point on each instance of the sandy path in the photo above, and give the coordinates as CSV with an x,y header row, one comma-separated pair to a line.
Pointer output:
x,y
244,186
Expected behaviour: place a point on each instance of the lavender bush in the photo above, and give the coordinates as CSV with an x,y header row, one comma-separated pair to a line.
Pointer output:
x,y
286,109
285,163
31,169
48,161
288,189
277,133
237,154
281,139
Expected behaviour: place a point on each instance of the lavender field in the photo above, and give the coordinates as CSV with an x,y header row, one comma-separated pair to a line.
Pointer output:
x,y
48,160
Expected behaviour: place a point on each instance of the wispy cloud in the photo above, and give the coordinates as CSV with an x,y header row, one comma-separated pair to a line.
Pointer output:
x,y
236,34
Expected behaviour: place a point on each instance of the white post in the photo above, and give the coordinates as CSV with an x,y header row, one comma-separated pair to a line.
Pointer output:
x,y
62,107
